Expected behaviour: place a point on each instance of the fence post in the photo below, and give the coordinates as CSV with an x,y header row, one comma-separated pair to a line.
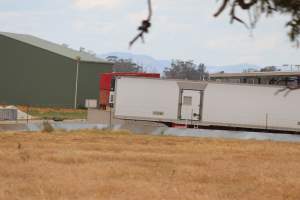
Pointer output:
x,y
267,121
110,120
27,116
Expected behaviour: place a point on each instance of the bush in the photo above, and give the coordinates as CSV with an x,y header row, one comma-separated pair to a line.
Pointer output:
x,y
47,127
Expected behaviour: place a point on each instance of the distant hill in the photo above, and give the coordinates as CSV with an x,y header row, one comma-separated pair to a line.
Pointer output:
x,y
156,65
150,64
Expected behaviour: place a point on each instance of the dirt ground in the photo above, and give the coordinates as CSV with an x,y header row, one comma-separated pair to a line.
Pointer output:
x,y
100,165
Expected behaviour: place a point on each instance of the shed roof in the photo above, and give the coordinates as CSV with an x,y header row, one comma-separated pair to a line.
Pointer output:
x,y
254,74
54,48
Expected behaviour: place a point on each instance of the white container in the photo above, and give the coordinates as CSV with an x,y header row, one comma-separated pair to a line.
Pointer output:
x,y
207,103
146,98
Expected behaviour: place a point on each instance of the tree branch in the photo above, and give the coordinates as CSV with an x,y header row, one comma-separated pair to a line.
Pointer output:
x,y
144,28
221,9
245,5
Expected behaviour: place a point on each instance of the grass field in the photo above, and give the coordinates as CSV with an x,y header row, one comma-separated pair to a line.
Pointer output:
x,y
93,166
55,113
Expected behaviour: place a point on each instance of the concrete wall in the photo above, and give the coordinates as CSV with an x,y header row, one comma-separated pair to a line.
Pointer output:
x,y
251,105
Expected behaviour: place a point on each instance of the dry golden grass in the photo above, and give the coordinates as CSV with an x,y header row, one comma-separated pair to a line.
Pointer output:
x,y
90,166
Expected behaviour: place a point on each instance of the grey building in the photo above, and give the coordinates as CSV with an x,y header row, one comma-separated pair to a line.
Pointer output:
x,y
37,72
264,78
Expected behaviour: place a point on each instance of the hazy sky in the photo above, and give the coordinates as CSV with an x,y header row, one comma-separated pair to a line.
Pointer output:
x,y
181,29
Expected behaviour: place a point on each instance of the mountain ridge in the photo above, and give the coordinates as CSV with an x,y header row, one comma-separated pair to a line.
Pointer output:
x,y
151,64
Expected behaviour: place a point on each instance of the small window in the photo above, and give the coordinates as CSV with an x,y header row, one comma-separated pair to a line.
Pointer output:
x,y
187,101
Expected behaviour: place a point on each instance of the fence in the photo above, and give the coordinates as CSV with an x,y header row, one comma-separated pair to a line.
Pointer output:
x,y
8,114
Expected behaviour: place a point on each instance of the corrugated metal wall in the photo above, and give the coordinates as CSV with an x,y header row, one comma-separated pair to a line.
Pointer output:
x,y
36,77
88,82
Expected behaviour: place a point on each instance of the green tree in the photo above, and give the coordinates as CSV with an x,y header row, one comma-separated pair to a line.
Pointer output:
x,y
124,65
187,70
270,69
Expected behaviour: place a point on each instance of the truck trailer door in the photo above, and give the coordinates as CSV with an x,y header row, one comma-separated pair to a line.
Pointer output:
x,y
191,105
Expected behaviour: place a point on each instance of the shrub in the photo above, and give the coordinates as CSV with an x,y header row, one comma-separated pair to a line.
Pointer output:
x,y
47,127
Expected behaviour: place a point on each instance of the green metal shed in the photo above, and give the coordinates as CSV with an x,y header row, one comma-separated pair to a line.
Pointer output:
x,y
37,72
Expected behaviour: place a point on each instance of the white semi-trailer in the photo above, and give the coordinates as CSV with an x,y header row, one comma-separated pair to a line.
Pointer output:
x,y
207,103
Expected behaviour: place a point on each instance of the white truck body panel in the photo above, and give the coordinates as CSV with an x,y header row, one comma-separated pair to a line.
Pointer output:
x,y
256,105
145,98
240,105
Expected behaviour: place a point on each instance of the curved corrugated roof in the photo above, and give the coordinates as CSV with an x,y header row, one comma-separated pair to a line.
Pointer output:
x,y
54,48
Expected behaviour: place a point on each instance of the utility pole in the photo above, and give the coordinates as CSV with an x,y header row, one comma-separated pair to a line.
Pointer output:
x,y
76,81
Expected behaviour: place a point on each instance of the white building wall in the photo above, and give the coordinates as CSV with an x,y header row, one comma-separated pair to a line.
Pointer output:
x,y
251,105
147,98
